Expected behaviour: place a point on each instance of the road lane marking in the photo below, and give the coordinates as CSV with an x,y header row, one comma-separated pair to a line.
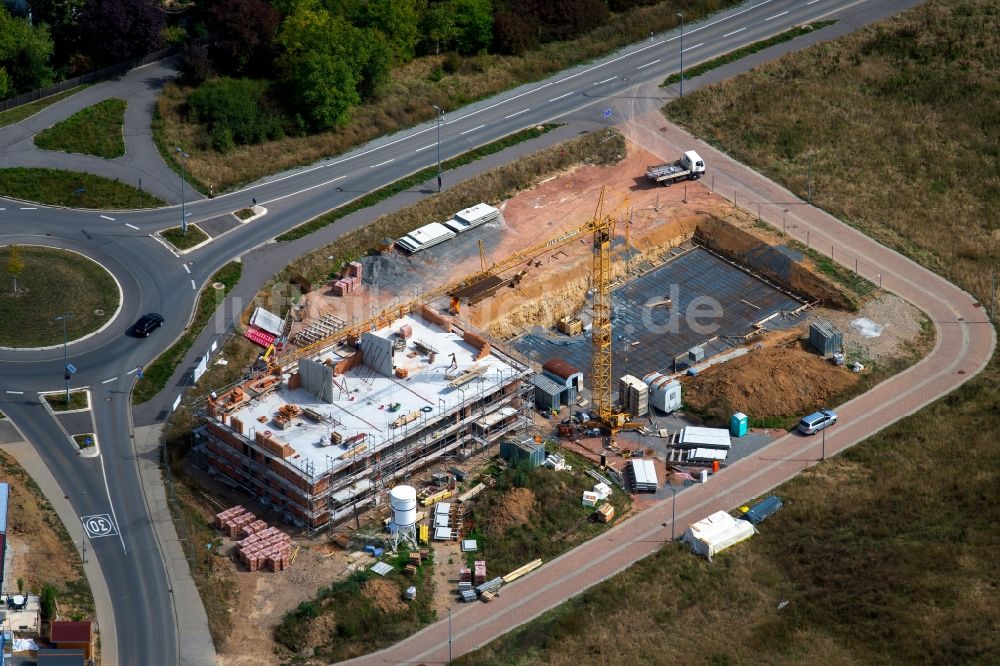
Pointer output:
x,y
811,2
114,516
375,166
693,47
606,80
187,268
304,189
29,207
131,226
473,129
430,145
518,113
485,108
649,63
132,371
193,285
730,34
556,99
108,381
16,392
108,218
776,16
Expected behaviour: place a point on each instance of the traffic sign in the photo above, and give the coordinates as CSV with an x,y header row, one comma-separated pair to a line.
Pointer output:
x,y
608,113
99,525
70,368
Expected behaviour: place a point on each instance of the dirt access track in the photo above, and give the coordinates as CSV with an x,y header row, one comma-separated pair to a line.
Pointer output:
x,y
965,341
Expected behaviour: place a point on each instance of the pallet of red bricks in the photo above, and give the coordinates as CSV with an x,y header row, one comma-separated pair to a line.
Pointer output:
x,y
231,521
479,576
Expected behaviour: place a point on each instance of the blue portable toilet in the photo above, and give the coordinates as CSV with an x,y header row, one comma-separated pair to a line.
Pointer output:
x,y
738,424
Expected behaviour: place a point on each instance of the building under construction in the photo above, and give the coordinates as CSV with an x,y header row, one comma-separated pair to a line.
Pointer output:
x,y
326,439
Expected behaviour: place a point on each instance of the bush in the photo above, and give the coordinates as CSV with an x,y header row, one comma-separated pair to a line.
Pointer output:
x,y
47,602
195,65
236,111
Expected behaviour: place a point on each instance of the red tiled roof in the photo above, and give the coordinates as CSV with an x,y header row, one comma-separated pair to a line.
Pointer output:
x,y
70,632
560,368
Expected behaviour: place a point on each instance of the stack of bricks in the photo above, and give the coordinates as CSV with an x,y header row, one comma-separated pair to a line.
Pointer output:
x,y
350,281
252,528
267,547
232,521
480,572
231,512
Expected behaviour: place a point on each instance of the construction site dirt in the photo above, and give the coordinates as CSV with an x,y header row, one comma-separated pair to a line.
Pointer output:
x,y
653,252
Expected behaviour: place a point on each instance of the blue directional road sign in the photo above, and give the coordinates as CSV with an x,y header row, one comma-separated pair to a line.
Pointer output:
x,y
70,368
608,113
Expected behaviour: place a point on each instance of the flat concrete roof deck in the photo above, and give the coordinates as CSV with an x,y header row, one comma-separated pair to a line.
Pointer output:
x,y
700,284
364,408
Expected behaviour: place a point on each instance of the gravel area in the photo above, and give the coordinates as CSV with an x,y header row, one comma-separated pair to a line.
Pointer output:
x,y
899,319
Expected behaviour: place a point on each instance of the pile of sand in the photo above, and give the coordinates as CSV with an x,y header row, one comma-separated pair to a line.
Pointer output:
x,y
513,509
383,595
775,381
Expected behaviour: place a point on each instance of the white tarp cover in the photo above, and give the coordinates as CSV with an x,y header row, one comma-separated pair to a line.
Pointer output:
x,y
712,438
866,327
707,455
716,533
267,321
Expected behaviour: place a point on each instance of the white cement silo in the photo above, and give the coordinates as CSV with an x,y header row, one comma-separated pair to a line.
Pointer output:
x,y
403,502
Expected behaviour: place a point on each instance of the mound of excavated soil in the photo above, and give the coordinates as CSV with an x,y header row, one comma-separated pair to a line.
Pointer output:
x,y
775,381
321,629
514,509
384,595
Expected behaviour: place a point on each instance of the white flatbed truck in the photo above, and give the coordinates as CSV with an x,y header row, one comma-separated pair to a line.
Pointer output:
x,y
689,167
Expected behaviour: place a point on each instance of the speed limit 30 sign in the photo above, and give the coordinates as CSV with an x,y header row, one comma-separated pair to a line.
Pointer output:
x,y
99,525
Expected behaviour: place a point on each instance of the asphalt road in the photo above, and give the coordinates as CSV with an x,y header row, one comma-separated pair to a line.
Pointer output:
x,y
154,279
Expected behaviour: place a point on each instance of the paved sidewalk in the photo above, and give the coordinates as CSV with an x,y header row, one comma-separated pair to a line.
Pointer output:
x,y
29,460
140,87
196,647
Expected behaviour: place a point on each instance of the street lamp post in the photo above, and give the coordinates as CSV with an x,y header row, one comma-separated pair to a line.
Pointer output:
x,y
184,224
66,316
681,17
440,117
824,445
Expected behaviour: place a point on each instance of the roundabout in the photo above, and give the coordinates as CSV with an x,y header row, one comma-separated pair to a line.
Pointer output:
x,y
43,283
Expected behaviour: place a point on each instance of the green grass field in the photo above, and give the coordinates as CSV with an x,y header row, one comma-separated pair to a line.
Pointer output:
x,y
56,187
51,283
19,113
77,400
184,241
96,130
887,553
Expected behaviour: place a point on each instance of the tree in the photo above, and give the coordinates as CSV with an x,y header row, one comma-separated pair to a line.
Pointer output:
x,y
439,26
243,31
321,62
473,24
25,51
396,20
376,65
512,33
47,602
15,265
115,30
61,16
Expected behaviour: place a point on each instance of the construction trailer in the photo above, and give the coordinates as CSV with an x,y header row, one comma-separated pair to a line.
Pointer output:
x,y
324,440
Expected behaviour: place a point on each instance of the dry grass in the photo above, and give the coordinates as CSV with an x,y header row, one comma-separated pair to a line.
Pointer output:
x,y
901,120
408,100
887,553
